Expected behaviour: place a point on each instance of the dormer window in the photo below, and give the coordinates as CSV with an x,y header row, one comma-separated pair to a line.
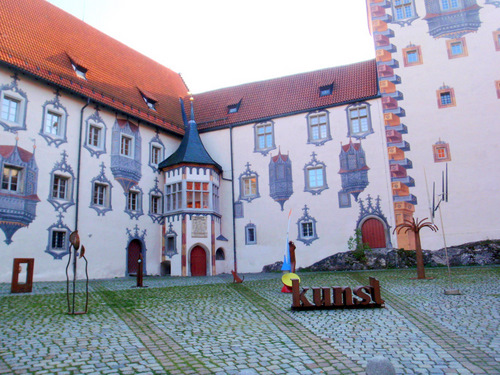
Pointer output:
x,y
326,90
233,108
79,70
150,103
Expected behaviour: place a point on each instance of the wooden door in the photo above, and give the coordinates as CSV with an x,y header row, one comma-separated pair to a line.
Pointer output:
x,y
373,233
198,262
134,249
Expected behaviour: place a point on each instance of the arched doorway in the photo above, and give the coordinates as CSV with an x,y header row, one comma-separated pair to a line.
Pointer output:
x,y
198,261
133,251
373,233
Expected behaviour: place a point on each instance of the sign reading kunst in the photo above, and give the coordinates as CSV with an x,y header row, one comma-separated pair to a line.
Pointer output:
x,y
337,297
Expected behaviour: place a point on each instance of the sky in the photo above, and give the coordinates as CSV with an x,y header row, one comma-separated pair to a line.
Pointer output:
x,y
220,43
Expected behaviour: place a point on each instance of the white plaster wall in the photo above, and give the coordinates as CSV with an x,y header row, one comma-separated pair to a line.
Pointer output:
x,y
104,237
471,128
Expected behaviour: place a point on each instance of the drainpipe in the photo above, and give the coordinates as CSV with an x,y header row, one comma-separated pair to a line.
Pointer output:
x,y
232,197
77,193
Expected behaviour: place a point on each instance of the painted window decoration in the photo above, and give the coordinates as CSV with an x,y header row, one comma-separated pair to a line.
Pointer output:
x,y
280,178
156,152
456,48
445,97
54,122
359,120
101,193
307,228
18,189
62,181
250,234
318,128
496,39
412,55
403,12
315,176
126,154
13,103
95,136
156,204
173,196
353,172
452,18
497,86
441,151
170,247
249,184
58,241
264,137
239,211
134,202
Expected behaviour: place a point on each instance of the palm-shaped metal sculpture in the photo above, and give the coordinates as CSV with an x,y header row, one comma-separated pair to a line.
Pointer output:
x,y
415,226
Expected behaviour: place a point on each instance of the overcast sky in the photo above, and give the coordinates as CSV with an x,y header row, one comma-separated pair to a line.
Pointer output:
x,y
220,43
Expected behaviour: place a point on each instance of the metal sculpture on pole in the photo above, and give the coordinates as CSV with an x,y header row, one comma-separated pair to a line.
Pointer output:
x,y
415,226
74,240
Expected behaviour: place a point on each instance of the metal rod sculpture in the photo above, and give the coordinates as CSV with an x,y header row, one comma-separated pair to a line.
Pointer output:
x,y
74,240
415,226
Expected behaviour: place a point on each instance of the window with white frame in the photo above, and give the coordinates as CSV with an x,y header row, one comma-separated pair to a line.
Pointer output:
x,y
58,239
249,186
307,229
215,198
95,136
100,195
60,187
156,204
315,177
264,137
12,178
126,144
173,196
133,201
10,108
318,127
53,123
156,154
359,121
197,195
250,234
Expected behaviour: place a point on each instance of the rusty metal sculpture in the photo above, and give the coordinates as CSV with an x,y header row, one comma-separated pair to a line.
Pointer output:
x,y
18,286
415,226
74,240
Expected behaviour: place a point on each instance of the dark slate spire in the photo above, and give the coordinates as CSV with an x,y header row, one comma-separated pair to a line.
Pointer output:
x,y
191,149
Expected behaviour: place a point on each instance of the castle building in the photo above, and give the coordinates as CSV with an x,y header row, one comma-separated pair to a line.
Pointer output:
x,y
95,138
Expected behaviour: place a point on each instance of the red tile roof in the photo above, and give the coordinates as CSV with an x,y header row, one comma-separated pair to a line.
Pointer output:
x,y
286,95
6,152
42,39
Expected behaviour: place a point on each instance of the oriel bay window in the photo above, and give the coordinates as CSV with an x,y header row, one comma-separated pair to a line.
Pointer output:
x,y
197,195
191,195
11,178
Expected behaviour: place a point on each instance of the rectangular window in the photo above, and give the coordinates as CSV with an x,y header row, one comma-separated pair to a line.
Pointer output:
x,y
315,177
326,90
197,194
174,196
318,127
156,207
215,198
155,155
58,239
53,123
133,201
441,152
264,136
496,39
403,9
126,146
60,187
445,97
95,134
307,230
250,234
359,120
11,178
10,109
449,4
249,186
412,55
456,48
100,195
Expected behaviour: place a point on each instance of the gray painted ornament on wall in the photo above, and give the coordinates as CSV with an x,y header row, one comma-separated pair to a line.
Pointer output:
x,y
280,178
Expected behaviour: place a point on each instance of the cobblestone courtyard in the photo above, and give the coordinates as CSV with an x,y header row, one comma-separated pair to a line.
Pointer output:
x,y
208,325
